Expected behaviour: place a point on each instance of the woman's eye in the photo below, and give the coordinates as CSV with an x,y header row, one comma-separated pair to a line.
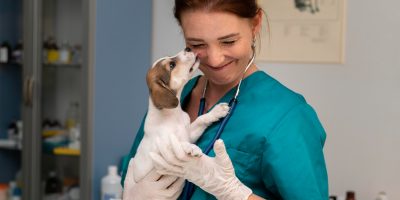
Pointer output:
x,y
230,42
196,46
172,65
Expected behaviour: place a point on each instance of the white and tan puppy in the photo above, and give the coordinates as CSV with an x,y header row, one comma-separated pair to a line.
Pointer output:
x,y
166,80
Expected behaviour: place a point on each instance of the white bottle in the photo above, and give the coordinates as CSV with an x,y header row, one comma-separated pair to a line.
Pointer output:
x,y
65,54
382,196
12,185
19,134
110,185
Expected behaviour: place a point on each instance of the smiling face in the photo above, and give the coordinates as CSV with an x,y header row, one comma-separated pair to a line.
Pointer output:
x,y
222,42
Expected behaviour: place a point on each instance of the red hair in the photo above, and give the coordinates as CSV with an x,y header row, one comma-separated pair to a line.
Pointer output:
x,y
241,8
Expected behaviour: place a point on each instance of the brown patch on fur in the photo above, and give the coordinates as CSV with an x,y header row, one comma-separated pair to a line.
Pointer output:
x,y
158,79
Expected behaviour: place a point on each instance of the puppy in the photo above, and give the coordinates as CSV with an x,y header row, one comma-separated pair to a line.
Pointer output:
x,y
165,80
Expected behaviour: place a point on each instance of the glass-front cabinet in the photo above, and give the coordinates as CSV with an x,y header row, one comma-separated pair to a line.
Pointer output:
x,y
44,95
60,97
11,124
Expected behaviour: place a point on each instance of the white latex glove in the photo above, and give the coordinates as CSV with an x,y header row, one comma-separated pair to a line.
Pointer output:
x,y
152,186
214,175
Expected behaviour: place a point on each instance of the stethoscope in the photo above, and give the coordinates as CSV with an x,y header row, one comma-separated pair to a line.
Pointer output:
x,y
189,187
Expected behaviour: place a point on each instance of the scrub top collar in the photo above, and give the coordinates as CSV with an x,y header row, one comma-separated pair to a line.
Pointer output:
x,y
254,77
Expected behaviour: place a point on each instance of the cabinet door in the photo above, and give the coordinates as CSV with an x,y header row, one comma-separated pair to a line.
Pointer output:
x,y
31,152
54,88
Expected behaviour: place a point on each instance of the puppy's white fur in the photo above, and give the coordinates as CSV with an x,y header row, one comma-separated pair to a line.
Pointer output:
x,y
161,120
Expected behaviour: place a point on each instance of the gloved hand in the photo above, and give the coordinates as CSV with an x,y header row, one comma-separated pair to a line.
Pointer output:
x,y
152,186
214,175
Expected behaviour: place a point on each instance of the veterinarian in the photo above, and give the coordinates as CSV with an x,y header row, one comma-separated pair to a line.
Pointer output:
x,y
272,145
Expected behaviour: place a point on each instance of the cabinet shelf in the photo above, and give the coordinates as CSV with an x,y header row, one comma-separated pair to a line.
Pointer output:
x,y
62,65
8,144
66,151
11,63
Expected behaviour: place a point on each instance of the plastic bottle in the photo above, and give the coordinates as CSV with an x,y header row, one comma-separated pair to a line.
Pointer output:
x,y
52,51
350,195
382,196
19,134
17,53
12,186
65,53
5,52
76,54
73,115
110,184
17,194
53,184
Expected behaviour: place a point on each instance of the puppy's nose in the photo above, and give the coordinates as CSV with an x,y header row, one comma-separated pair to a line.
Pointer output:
x,y
187,49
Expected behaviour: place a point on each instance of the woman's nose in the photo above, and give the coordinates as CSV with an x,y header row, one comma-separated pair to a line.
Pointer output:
x,y
214,56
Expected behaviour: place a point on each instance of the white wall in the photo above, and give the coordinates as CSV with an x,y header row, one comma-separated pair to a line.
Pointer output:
x,y
358,102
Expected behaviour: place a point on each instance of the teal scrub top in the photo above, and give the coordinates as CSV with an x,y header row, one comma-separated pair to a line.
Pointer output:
x,y
274,139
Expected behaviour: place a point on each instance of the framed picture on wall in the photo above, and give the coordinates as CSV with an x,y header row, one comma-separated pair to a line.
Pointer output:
x,y
304,31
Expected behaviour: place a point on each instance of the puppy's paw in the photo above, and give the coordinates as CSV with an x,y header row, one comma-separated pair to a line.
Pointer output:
x,y
191,149
220,110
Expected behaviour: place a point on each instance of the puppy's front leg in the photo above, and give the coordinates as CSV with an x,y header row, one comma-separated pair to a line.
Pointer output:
x,y
202,122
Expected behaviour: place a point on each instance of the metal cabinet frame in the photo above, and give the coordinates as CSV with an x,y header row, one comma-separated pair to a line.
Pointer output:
x,y
31,153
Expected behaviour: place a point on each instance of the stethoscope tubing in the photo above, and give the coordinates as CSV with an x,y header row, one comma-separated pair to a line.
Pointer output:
x,y
189,187
232,106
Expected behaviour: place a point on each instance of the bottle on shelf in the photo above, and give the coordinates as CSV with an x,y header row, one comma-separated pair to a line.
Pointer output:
x,y
14,192
11,187
5,52
76,54
350,195
46,47
65,53
53,186
17,54
19,133
52,51
12,131
110,184
382,196
73,116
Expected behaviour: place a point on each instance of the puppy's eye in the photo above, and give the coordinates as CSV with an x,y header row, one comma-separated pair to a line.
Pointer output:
x,y
172,65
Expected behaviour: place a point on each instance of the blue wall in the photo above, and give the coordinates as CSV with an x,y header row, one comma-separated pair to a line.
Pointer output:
x,y
122,57
10,85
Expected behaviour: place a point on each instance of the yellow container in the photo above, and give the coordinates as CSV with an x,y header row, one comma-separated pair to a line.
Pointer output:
x,y
52,55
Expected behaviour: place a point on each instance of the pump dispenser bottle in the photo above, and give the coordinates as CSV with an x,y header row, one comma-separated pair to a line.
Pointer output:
x,y
110,185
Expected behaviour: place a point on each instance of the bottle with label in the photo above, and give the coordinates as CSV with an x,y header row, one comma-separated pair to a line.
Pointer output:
x,y
110,185
5,52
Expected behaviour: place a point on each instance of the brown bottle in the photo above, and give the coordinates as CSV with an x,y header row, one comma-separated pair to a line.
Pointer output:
x,y
350,195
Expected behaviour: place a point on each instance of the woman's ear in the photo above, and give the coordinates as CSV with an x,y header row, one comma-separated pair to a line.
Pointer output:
x,y
161,94
257,22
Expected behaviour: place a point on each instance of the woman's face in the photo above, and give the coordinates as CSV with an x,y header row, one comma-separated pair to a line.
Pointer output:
x,y
222,41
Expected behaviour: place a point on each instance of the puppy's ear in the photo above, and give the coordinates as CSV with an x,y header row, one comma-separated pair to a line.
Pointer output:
x,y
162,95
